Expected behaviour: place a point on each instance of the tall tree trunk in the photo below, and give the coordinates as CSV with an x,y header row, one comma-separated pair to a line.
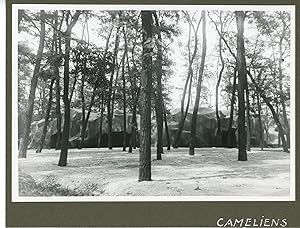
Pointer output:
x,y
57,85
47,115
132,80
145,99
188,80
124,100
219,130
241,67
230,132
248,145
66,128
33,85
282,100
109,113
261,130
278,134
159,96
199,86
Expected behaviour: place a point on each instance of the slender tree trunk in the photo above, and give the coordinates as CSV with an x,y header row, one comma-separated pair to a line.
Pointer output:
x,y
57,85
188,80
109,114
278,134
261,130
230,133
219,130
124,101
199,86
47,115
66,127
33,85
145,99
241,67
159,96
86,119
248,145
183,117
282,100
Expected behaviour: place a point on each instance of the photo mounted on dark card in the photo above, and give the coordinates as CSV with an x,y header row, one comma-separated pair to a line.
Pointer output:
x,y
154,108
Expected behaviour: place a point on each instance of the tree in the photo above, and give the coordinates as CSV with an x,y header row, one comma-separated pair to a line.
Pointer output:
x,y
199,83
57,51
66,127
230,130
33,85
145,99
267,100
159,97
242,77
124,94
189,78
47,115
109,102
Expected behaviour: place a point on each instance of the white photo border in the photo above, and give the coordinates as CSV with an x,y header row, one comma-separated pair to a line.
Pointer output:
x,y
15,177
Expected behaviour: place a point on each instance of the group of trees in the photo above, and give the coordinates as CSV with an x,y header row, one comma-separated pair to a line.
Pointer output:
x,y
130,67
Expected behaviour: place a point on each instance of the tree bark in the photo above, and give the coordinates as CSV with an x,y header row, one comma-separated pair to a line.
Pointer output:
x,y
33,85
248,145
159,96
124,100
199,87
241,68
109,113
219,130
282,100
57,85
230,133
47,115
145,99
134,97
66,128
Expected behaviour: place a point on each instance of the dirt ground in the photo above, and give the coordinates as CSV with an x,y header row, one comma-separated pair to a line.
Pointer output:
x,y
211,172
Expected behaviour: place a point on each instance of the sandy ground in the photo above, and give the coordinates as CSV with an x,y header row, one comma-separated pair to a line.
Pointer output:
x,y
211,172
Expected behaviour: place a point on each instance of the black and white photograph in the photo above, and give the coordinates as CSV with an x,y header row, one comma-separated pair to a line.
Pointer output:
x,y
153,103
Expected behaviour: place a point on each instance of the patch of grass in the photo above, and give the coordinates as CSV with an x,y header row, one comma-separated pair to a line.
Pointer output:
x,y
51,186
